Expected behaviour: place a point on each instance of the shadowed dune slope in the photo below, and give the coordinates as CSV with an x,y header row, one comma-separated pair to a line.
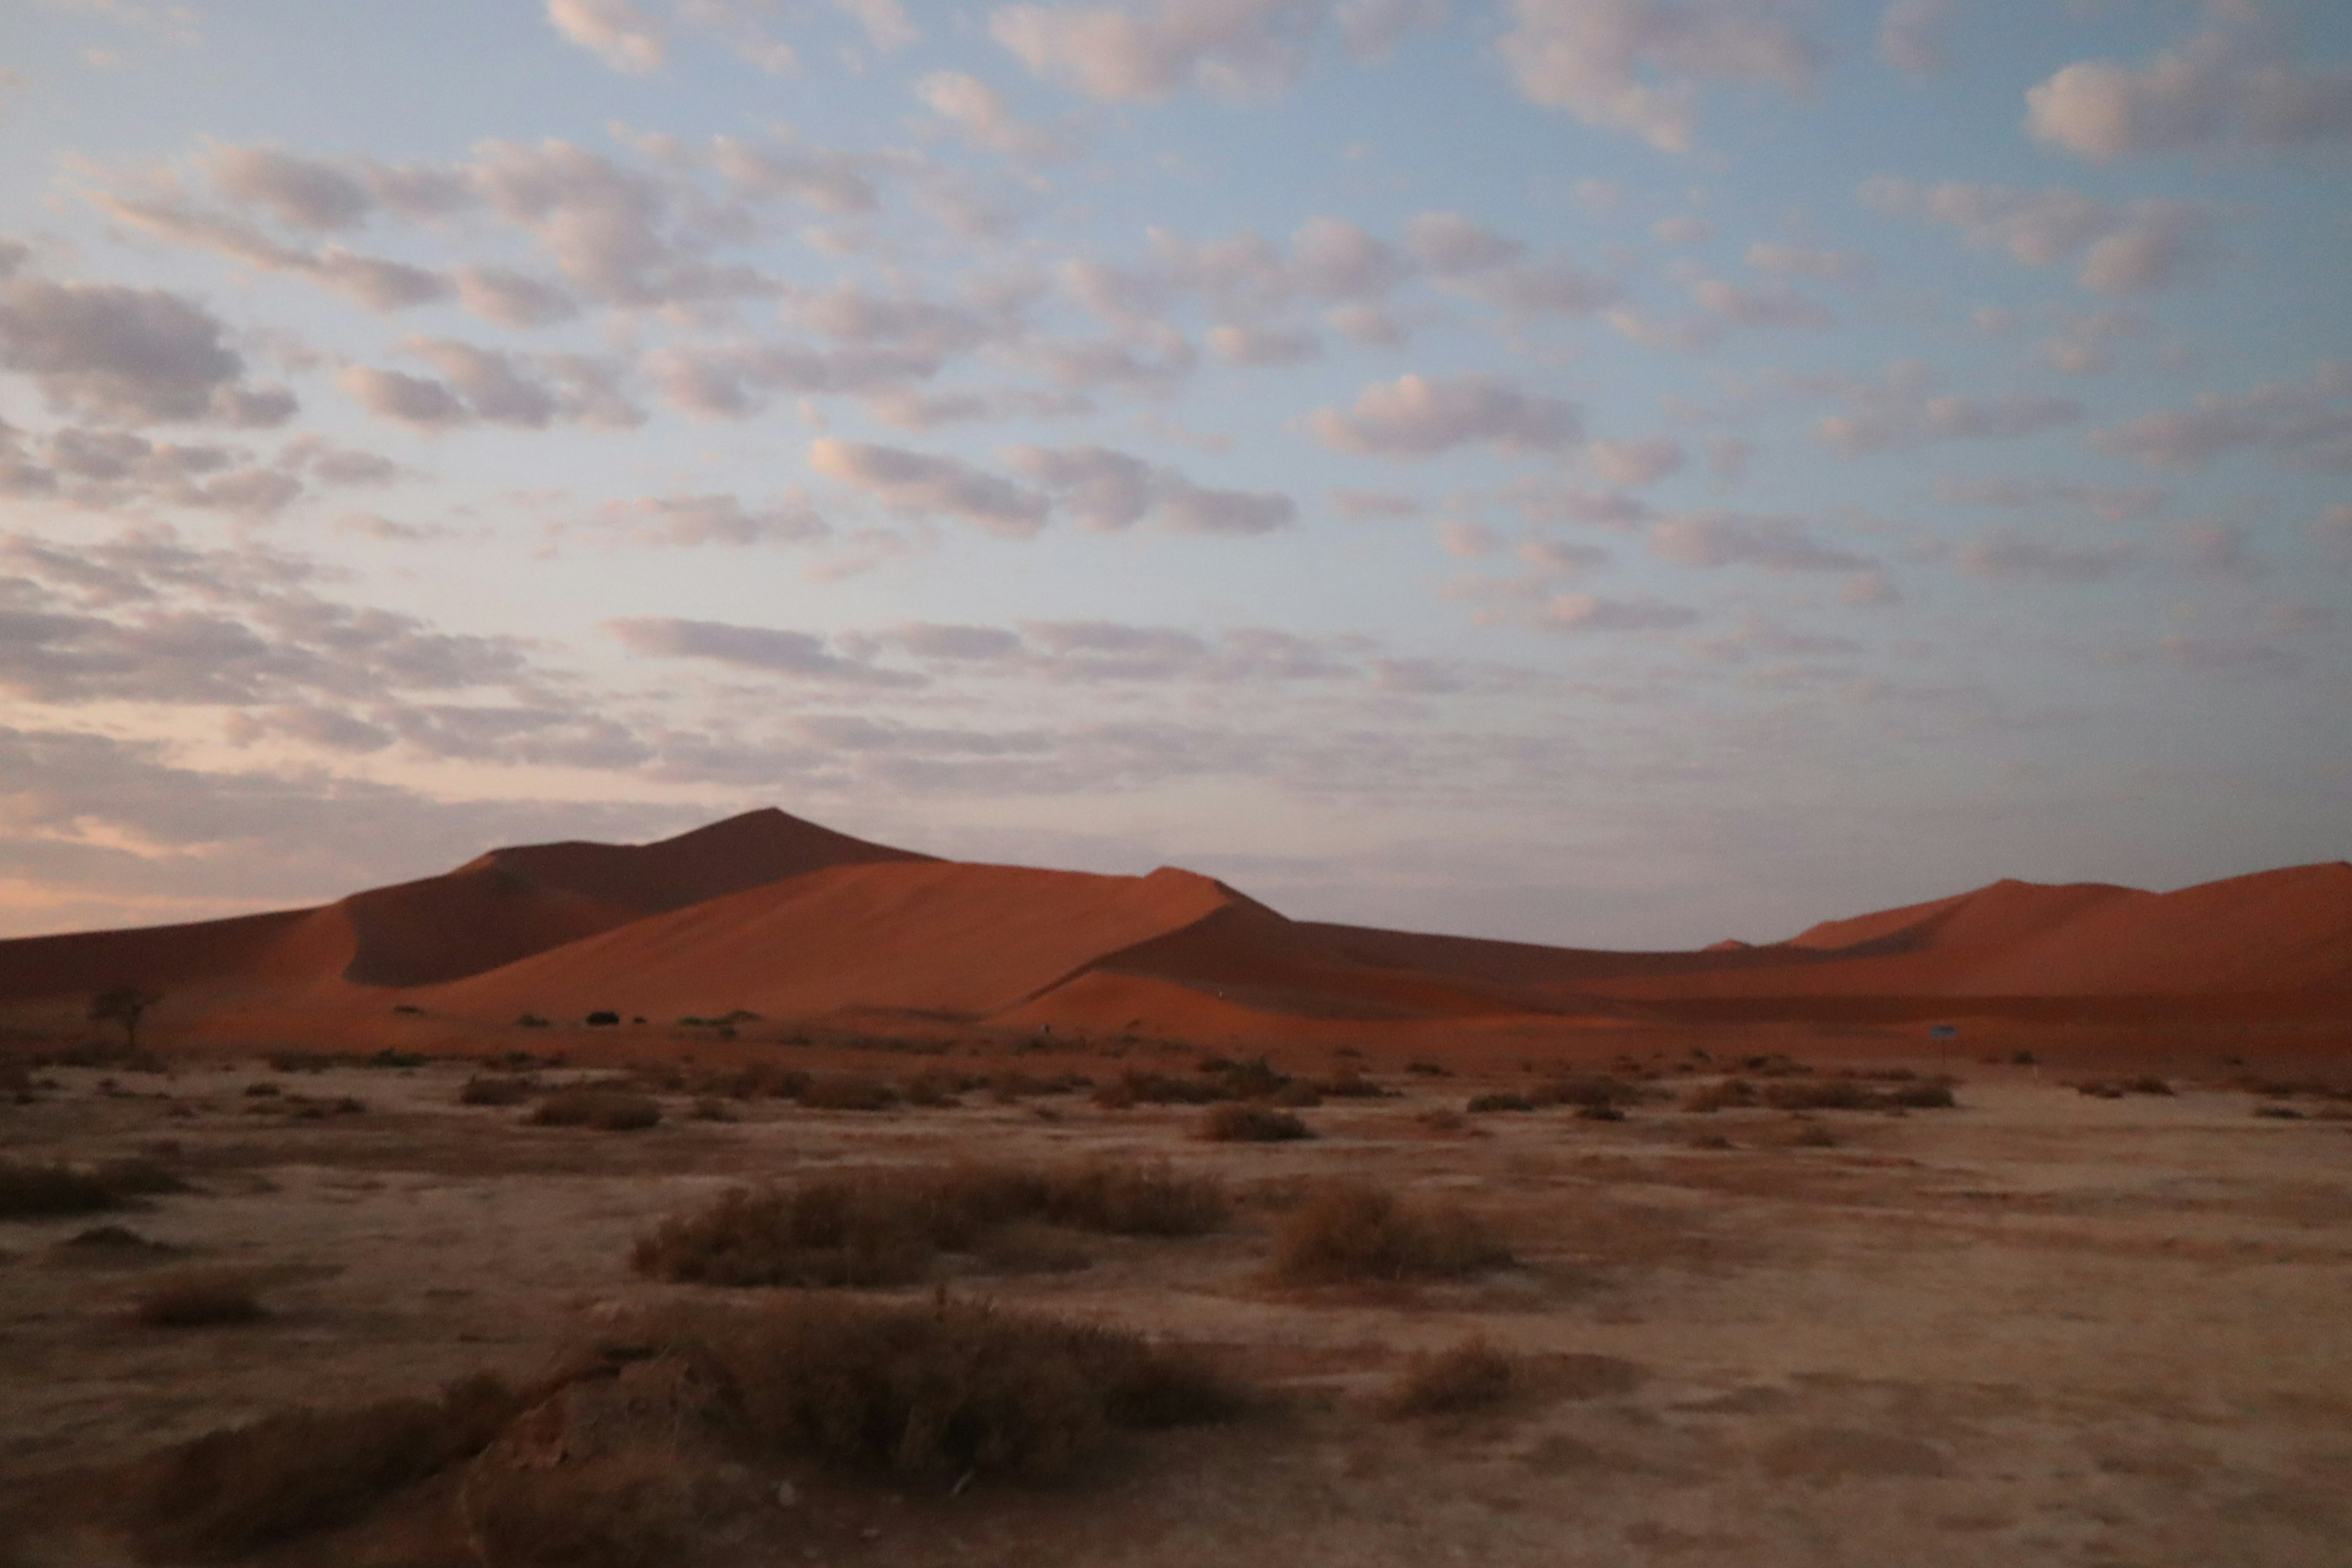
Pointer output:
x,y
501,906
937,937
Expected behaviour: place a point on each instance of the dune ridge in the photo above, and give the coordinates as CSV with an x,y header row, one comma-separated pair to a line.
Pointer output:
x,y
767,913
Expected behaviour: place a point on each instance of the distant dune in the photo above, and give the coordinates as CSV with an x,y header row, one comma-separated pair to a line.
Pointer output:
x,y
767,913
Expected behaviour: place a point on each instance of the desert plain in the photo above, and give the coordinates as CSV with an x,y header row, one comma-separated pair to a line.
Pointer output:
x,y
2011,1229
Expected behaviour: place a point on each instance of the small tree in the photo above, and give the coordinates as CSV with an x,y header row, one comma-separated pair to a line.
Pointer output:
x,y
123,1004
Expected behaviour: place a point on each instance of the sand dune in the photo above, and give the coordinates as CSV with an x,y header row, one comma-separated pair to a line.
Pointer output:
x,y
767,913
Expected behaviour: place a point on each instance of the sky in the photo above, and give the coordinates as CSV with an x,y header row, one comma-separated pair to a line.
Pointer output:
x,y
1605,472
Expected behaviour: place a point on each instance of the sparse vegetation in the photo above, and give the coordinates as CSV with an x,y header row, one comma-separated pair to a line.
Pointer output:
x,y
236,1491
1352,1231
884,1228
606,1110
1483,1104
846,1093
44,1192
948,1391
1252,1125
201,1301
482,1090
1472,1375
126,1006
623,1511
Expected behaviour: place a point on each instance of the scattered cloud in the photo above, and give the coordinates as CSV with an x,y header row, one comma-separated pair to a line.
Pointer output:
x,y
2128,249
1420,416
2230,85
2305,425
918,484
1638,66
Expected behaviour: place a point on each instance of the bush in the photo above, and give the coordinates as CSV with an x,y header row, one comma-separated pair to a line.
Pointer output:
x,y
603,1020
629,1511
1925,1097
2149,1084
42,1192
532,1021
948,1391
1731,1094
235,1492
1353,1232
606,1110
1589,1090
1252,1125
1816,1136
849,1094
1472,1375
1483,1104
1352,1084
1831,1094
883,1227
481,1091
200,1301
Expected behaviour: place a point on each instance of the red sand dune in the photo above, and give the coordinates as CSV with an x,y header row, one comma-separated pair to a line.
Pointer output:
x,y
782,918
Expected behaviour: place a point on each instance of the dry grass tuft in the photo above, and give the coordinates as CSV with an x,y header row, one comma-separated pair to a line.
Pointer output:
x,y
1816,1136
881,1228
42,1192
1351,1232
1238,1123
847,1093
1591,1091
201,1301
1485,1104
234,1492
483,1090
948,1391
624,1511
1472,1375
606,1110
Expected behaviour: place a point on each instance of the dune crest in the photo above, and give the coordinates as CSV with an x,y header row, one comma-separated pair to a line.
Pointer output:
x,y
771,914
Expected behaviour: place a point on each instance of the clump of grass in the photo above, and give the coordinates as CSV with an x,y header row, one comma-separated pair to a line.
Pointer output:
x,y
1243,1123
2148,1084
1830,1094
1352,1231
1350,1083
1483,1104
619,1510
948,1392
236,1491
884,1228
848,1093
606,1110
201,1301
1472,1375
1816,1136
1926,1097
1589,1091
1731,1094
30,1191
933,1091
493,1089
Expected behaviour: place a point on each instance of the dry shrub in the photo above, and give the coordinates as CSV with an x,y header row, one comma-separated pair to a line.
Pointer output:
x,y
1731,1094
41,1191
2148,1084
621,1511
1236,1123
1156,1088
494,1090
1926,1097
1353,1232
2097,1090
1352,1084
756,1081
1589,1091
848,1093
1831,1094
1816,1136
882,1227
235,1492
606,1110
114,1242
933,1091
948,1391
201,1301
1485,1104
1472,1375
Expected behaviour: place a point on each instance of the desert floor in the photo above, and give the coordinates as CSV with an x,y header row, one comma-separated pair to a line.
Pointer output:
x,y
2039,1328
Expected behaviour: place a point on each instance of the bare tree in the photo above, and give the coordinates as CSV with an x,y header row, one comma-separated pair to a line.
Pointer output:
x,y
123,1004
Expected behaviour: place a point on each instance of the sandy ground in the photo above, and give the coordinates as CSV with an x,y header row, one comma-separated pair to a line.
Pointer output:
x,y
2041,1327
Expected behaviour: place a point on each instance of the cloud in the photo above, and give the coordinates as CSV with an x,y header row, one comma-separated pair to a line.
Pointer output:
x,y
2119,250
1106,490
612,30
511,298
1590,613
1264,345
980,113
917,483
1803,261
1903,410
2332,531
1451,244
300,192
1728,539
2221,87
2005,556
1363,503
1911,37
130,356
2115,503
1633,464
885,21
1420,416
2305,425
1637,66
2221,550
696,519
1148,51
762,649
